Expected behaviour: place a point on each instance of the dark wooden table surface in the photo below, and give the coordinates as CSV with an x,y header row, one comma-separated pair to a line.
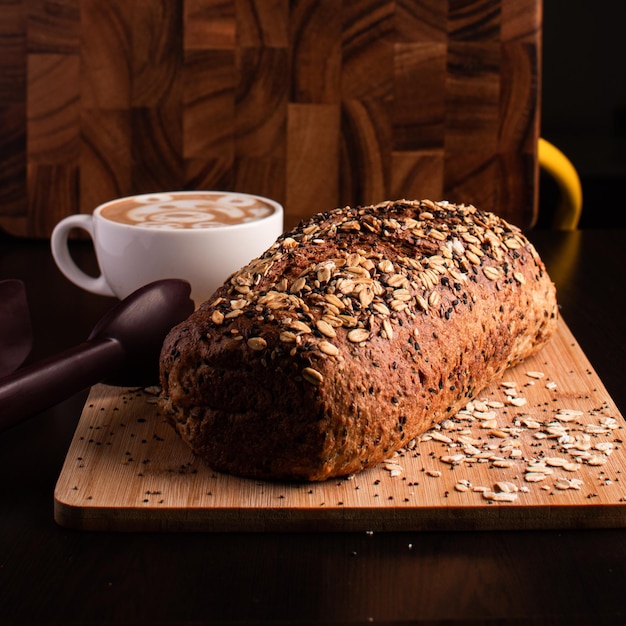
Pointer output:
x,y
52,575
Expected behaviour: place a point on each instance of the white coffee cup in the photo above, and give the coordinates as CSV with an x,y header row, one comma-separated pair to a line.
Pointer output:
x,y
198,236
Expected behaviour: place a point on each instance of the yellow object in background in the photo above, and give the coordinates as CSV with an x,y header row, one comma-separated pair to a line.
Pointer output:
x,y
555,163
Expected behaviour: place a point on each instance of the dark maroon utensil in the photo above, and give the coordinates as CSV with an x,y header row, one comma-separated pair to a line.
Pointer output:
x,y
123,348
16,332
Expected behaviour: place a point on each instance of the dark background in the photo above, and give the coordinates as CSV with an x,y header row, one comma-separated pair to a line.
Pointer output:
x,y
584,102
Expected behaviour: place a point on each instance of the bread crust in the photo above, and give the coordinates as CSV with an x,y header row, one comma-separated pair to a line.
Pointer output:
x,y
351,335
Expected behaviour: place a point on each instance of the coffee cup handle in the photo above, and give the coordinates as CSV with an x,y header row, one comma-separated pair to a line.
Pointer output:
x,y
64,260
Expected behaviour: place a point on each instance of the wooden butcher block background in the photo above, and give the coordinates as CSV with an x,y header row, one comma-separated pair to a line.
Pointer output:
x,y
543,448
315,103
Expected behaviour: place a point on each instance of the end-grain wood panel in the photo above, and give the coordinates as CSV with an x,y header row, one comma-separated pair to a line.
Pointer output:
x,y
316,103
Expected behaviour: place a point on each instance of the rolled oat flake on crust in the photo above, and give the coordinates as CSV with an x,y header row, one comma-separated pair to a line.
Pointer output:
x,y
359,330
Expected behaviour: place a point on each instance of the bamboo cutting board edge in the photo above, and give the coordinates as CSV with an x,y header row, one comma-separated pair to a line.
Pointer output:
x,y
182,494
415,519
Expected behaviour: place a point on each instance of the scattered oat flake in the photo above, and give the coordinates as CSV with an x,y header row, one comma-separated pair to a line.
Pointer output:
x,y
439,437
579,454
517,401
496,432
555,461
393,467
596,429
503,463
433,473
551,385
556,428
534,477
500,496
488,424
471,450
596,460
507,487
568,483
484,415
568,415
453,459
571,467
536,375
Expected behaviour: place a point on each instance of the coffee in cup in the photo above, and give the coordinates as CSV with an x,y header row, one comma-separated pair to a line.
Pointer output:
x,y
188,210
199,236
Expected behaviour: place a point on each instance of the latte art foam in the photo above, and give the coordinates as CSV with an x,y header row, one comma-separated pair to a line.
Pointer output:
x,y
187,210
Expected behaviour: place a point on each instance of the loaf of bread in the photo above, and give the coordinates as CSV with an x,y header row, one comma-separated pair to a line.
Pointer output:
x,y
354,333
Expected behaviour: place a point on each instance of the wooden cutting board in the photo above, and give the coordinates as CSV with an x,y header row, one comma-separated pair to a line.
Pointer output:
x,y
542,449
316,104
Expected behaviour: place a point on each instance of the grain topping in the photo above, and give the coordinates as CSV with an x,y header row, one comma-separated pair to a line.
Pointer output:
x,y
366,293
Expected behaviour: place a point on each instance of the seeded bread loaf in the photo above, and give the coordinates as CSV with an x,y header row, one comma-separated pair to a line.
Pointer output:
x,y
351,335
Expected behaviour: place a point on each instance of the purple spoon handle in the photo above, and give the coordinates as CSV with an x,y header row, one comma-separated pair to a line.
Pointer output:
x,y
46,383
126,342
